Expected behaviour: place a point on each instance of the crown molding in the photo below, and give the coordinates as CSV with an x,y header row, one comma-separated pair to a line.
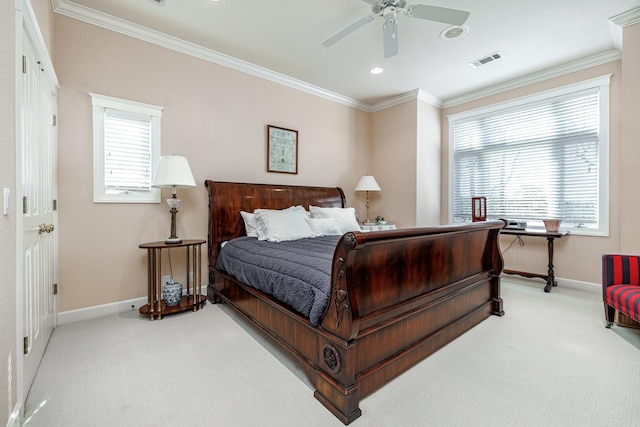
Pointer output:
x,y
616,24
419,94
91,16
627,18
396,100
619,22
82,13
561,70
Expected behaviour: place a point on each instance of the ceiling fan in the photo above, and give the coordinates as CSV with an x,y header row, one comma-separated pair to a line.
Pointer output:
x,y
388,10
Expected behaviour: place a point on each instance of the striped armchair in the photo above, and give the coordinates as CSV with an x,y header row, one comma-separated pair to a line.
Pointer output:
x,y
621,286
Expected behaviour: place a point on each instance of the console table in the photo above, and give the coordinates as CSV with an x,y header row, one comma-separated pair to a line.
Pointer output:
x,y
377,227
550,236
156,307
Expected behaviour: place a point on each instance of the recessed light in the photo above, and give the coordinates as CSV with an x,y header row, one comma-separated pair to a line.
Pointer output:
x,y
453,33
376,70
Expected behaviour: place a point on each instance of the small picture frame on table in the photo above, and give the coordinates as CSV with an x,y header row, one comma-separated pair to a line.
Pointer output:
x,y
282,150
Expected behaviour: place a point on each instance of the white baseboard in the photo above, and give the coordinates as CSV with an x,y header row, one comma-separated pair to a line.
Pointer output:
x,y
595,288
96,311
14,419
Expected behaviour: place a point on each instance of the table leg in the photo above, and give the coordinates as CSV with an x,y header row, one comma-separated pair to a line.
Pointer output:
x,y
157,292
150,280
191,251
196,276
551,279
188,271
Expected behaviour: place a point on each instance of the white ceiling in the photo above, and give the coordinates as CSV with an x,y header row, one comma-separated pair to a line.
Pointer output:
x,y
282,40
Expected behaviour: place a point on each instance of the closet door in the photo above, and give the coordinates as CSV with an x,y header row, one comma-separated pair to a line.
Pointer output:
x,y
37,157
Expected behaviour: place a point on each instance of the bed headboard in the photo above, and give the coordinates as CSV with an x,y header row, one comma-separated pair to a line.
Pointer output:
x,y
227,199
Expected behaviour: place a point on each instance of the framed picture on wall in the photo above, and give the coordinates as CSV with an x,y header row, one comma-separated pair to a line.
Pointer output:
x,y
282,150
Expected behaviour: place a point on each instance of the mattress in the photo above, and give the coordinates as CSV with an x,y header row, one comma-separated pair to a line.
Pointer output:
x,y
296,273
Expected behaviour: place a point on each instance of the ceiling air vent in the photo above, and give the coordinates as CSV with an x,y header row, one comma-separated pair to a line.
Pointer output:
x,y
485,60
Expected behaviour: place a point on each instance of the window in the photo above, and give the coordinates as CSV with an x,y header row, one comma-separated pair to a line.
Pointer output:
x,y
544,156
126,150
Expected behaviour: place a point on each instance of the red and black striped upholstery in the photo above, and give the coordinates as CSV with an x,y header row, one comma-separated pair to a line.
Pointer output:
x,y
621,286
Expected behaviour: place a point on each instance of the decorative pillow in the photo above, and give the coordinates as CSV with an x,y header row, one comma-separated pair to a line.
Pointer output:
x,y
298,208
325,226
280,226
345,216
249,223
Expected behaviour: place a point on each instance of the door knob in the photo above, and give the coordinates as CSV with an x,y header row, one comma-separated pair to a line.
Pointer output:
x,y
45,228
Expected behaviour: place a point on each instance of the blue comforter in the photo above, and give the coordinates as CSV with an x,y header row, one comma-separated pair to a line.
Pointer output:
x,y
297,273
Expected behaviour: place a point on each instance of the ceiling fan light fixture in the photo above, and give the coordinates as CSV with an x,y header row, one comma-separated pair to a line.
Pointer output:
x,y
388,11
454,32
376,70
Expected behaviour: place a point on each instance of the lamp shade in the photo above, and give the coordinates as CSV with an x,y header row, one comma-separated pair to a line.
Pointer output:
x,y
368,183
173,172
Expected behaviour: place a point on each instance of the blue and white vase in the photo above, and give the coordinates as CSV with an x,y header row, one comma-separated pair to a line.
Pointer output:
x,y
171,293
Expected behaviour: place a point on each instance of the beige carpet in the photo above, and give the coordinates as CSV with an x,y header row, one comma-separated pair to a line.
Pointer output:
x,y
548,362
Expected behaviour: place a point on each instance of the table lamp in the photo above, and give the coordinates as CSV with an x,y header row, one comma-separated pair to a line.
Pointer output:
x,y
173,172
367,183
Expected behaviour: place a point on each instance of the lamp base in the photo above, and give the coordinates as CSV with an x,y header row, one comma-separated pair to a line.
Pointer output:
x,y
173,240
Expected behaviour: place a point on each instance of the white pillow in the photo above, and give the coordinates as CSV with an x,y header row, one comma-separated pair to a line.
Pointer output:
x,y
325,226
249,223
298,208
280,226
346,217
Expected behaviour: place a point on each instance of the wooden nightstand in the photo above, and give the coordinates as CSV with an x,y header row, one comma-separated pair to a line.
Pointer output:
x,y
156,307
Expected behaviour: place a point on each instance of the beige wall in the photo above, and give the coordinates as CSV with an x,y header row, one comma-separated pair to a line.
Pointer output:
x,y
428,165
630,150
43,11
576,257
393,160
213,115
8,222
405,160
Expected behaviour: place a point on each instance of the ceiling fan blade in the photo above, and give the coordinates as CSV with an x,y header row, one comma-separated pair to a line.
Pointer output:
x,y
348,30
438,14
390,38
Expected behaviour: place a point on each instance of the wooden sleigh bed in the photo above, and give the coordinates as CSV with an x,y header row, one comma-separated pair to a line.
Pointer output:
x,y
396,296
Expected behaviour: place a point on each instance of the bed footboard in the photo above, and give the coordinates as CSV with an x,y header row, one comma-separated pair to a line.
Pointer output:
x,y
397,297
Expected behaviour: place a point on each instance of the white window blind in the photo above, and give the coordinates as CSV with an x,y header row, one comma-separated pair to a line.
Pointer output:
x,y
539,159
127,151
